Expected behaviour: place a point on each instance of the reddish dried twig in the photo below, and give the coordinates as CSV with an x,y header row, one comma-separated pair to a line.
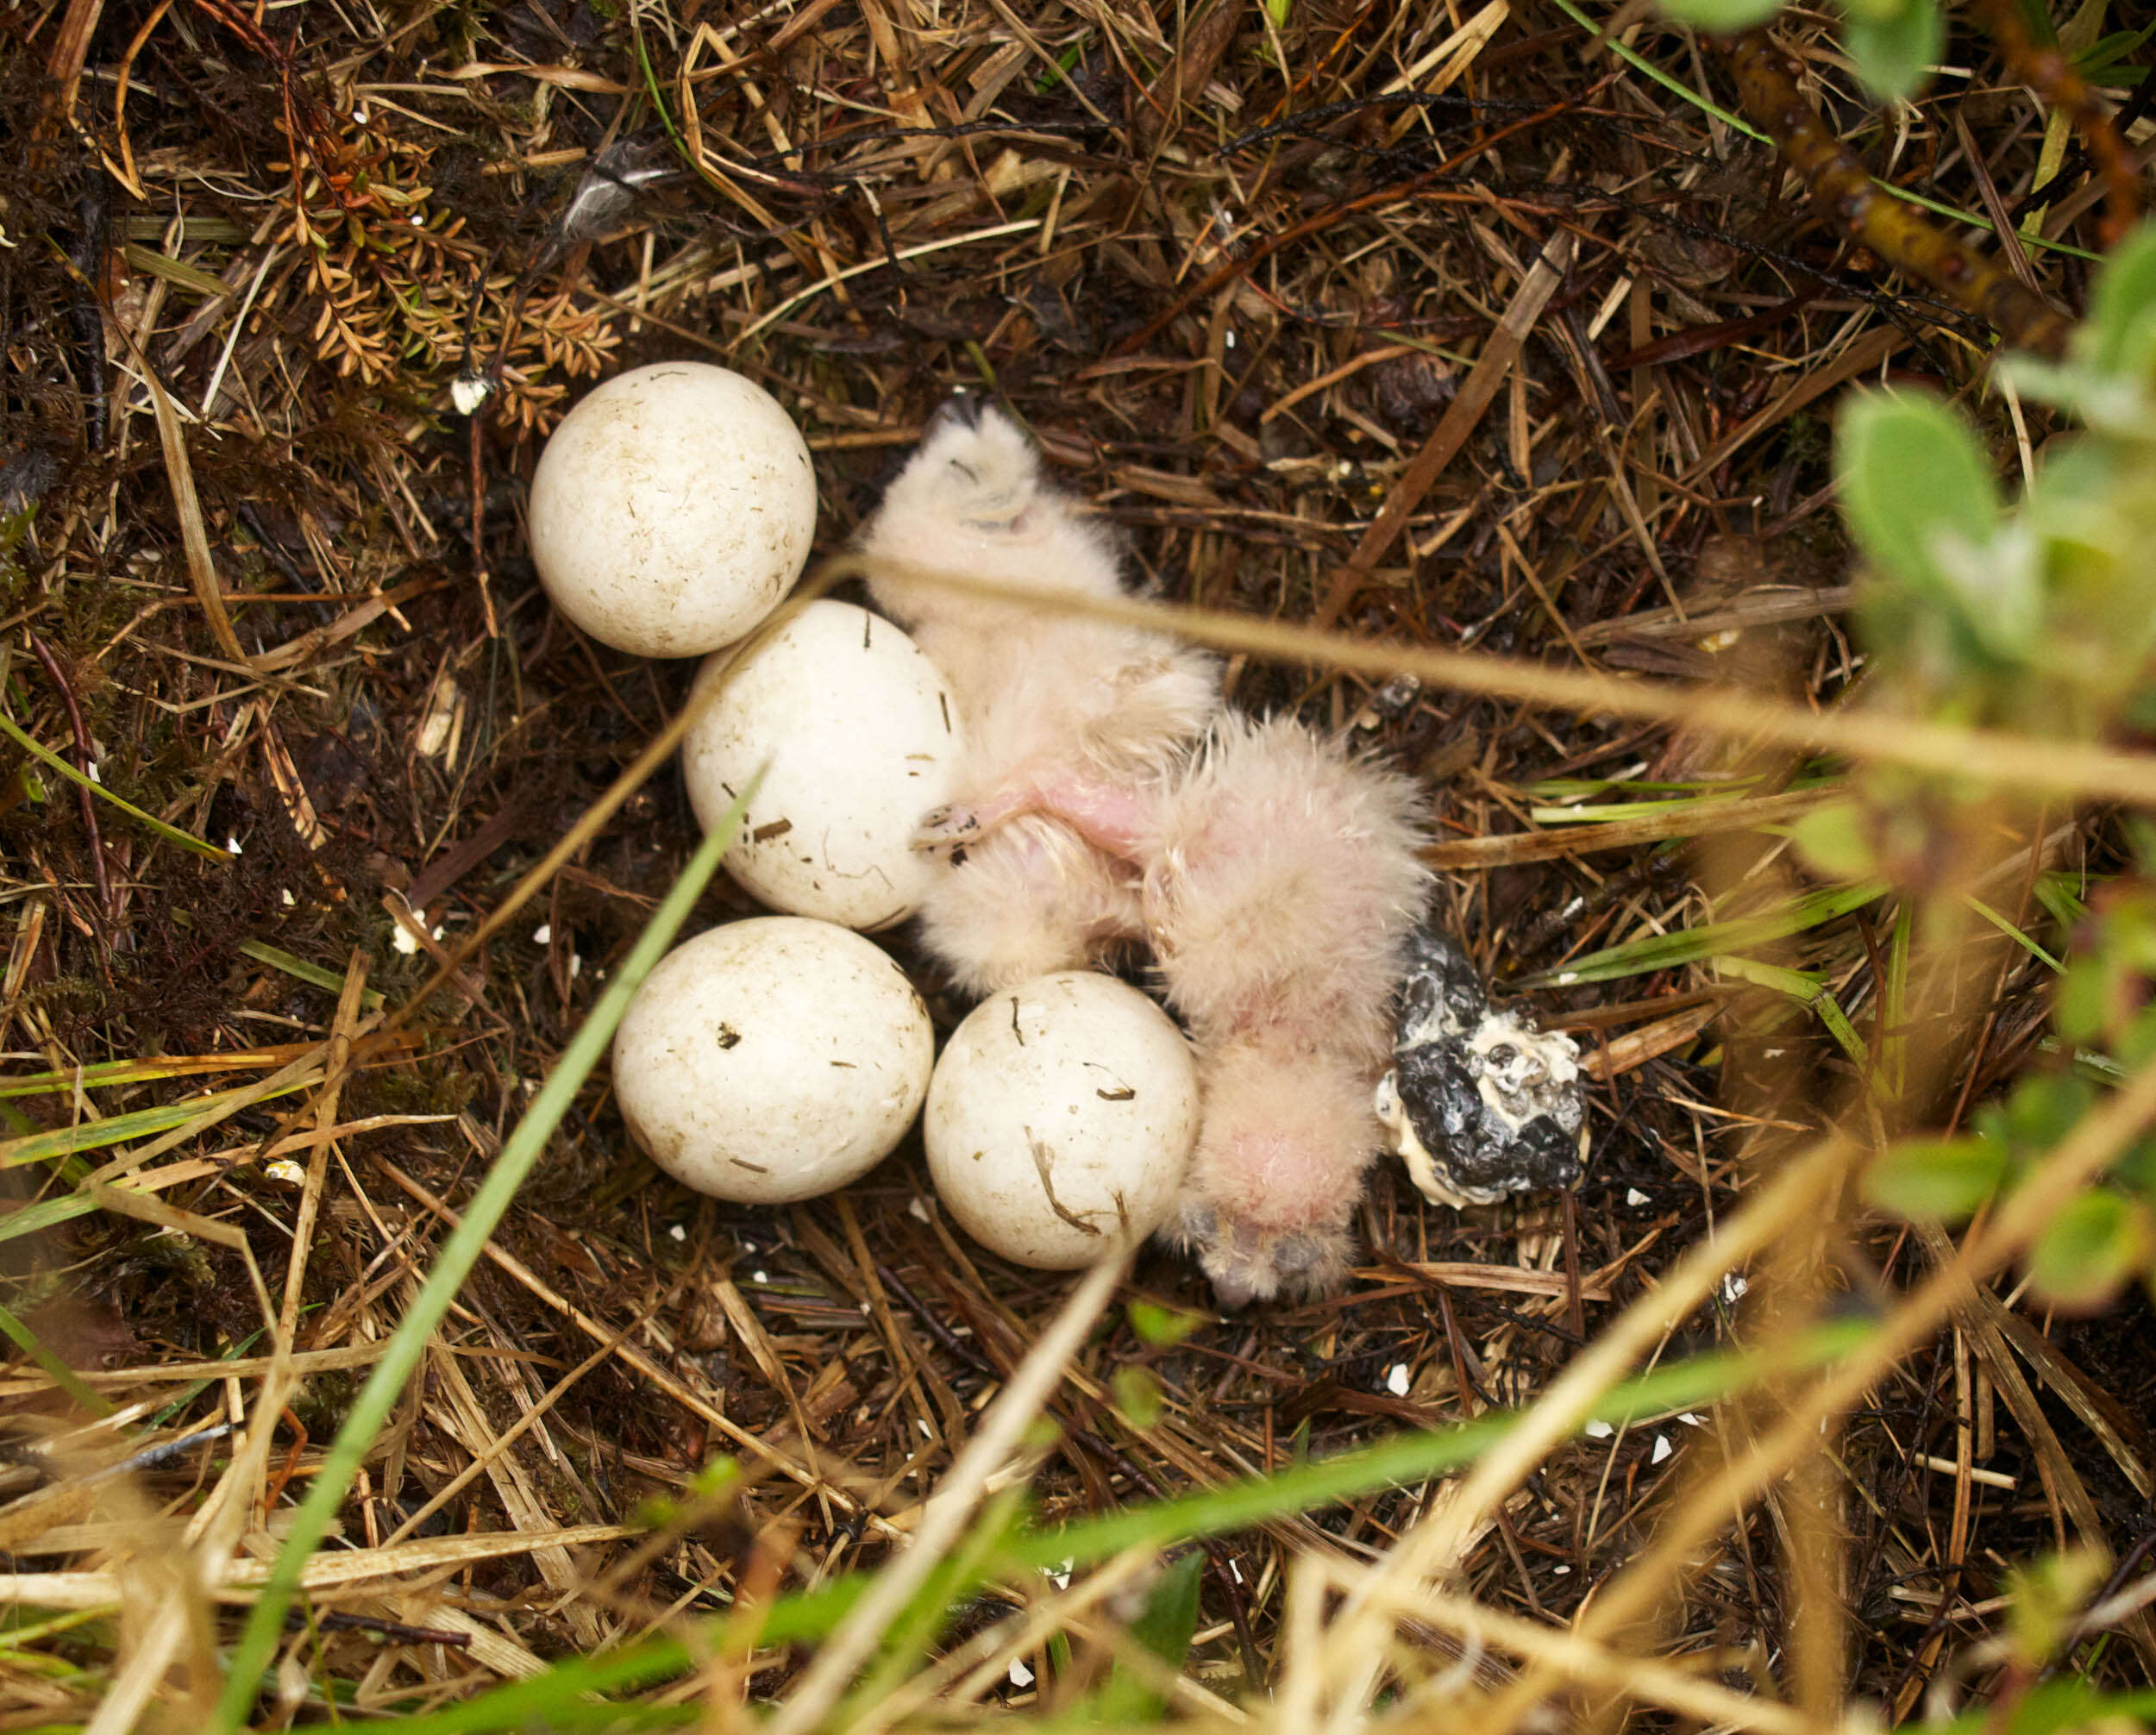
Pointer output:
x,y
84,762
2051,76
1842,188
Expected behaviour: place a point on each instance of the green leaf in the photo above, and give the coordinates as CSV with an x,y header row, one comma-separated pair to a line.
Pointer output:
x,y
1162,1630
1934,1178
1833,841
2119,335
2089,1249
1137,1394
1894,56
1721,15
1914,480
1162,1327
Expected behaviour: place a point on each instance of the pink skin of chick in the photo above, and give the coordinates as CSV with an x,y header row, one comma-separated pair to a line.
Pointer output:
x,y
1282,876
1049,701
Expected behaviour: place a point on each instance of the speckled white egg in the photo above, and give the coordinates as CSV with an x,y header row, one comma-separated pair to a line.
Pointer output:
x,y
1062,1112
862,737
772,1060
673,509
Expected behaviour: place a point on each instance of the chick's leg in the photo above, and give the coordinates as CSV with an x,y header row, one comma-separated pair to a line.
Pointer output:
x,y
1108,817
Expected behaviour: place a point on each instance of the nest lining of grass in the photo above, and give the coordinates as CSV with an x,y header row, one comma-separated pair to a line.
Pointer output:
x,y
1236,284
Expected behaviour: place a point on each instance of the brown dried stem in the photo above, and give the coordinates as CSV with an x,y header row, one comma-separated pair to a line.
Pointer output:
x,y
1843,191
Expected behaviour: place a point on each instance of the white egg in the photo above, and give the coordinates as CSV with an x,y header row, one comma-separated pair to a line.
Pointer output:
x,y
1062,1113
862,739
772,1060
672,509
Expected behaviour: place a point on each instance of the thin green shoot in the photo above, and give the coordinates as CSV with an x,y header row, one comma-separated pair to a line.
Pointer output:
x,y
2015,934
1711,939
170,834
1807,992
55,1369
314,975
59,1143
1057,73
2062,902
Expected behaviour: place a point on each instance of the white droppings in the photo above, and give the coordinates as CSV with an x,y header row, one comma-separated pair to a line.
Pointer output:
x,y
759,1277
1561,1571
1020,1674
675,1232
1663,1448
400,937
576,965
542,934
1397,1381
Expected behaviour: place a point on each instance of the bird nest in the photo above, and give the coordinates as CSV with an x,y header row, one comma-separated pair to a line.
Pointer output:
x,y
1472,374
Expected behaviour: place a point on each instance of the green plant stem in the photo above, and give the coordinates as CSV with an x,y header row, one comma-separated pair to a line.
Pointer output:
x,y
371,1409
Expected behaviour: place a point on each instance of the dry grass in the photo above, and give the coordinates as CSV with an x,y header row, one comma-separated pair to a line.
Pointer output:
x,y
1430,326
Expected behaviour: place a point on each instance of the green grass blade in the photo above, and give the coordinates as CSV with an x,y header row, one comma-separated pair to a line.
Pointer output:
x,y
314,975
142,1122
1809,992
170,834
1711,939
371,1410
2013,933
55,1369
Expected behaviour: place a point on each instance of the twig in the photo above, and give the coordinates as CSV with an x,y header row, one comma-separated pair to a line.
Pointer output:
x,y
1841,187
85,761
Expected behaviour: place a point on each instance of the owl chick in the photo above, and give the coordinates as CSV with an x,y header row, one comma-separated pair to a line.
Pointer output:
x,y
1097,713
1281,878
